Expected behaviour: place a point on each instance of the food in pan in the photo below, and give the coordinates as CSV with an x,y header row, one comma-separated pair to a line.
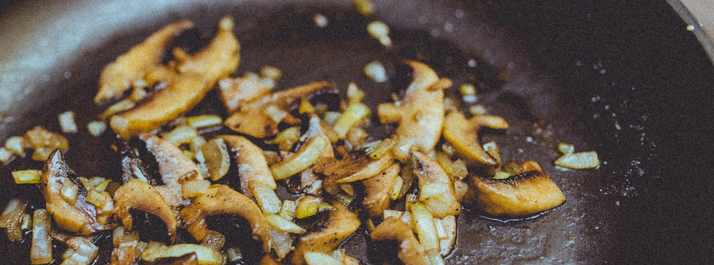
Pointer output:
x,y
405,190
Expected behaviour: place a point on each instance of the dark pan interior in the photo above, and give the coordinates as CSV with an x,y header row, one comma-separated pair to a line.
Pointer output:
x,y
624,79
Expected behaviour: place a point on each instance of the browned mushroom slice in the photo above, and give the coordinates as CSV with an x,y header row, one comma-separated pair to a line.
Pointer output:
x,y
222,200
436,189
530,192
378,190
340,224
196,76
267,260
251,162
235,92
410,252
79,217
141,196
118,76
173,164
420,113
253,120
463,135
353,167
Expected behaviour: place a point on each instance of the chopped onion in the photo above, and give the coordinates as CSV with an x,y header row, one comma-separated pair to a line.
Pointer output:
x,y
204,121
234,255
423,223
352,116
380,31
181,135
566,148
304,158
364,7
11,217
29,176
354,94
16,145
214,240
375,71
41,250
287,211
5,155
270,72
69,191
84,251
580,160
267,200
120,106
384,147
195,188
205,255
282,242
317,258
307,206
66,121
283,225
274,113
215,153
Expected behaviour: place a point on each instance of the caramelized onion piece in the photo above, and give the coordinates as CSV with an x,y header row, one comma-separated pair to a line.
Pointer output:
x,y
141,196
410,251
530,192
340,224
81,217
196,76
118,76
420,113
219,200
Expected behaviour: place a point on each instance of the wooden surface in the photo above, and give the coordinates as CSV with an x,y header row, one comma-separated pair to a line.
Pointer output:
x,y
703,10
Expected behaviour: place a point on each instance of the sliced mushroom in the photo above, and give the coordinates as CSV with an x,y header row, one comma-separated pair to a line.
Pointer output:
x,y
222,200
235,92
196,76
267,260
341,223
410,251
530,192
251,162
436,188
118,76
252,120
80,217
173,165
141,196
353,167
378,190
420,113
463,135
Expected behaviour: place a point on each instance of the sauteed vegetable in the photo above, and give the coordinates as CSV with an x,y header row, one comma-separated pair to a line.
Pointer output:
x,y
189,195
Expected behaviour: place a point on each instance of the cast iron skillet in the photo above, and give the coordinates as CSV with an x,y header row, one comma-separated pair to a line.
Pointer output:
x,y
624,79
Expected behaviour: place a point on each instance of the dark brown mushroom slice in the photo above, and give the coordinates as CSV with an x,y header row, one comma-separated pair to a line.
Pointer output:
x,y
527,193
353,167
340,225
250,161
222,200
141,196
393,231
80,217
252,120
378,190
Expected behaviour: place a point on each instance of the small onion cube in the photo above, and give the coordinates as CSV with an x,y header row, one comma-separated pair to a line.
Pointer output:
x,y
580,160
204,121
375,71
29,176
96,128
16,145
317,258
283,224
41,250
267,200
67,123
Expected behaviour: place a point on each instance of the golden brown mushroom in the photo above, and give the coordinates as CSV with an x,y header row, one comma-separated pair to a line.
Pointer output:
x,y
252,120
410,251
436,188
141,196
222,200
463,135
251,162
530,192
378,190
80,217
340,224
353,167
196,75
118,76
173,164
420,113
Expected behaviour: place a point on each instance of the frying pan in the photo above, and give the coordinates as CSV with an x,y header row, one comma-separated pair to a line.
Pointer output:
x,y
623,78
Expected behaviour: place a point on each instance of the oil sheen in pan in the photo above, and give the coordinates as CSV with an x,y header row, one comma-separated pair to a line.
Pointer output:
x,y
458,43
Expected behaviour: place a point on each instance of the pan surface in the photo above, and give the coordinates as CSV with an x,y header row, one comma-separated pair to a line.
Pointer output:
x,y
626,80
